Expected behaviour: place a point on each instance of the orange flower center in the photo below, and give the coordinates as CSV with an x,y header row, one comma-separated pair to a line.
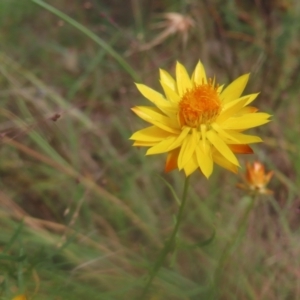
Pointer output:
x,y
200,105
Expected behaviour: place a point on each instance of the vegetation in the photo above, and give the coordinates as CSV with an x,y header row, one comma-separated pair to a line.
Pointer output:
x,y
83,214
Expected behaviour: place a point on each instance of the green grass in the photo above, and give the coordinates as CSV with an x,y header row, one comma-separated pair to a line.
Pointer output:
x,y
83,214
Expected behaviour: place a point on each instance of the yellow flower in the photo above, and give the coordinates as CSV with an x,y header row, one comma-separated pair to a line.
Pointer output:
x,y
198,122
256,179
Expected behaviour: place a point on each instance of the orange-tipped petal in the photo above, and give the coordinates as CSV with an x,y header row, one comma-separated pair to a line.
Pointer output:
x,y
241,149
171,162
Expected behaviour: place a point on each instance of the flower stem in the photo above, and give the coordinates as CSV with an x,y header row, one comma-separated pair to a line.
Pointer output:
x,y
228,249
169,243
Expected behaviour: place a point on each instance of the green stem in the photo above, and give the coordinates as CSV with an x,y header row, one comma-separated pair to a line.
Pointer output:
x,y
170,242
229,247
92,36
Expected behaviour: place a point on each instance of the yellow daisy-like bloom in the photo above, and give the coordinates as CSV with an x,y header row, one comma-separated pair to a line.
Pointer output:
x,y
198,122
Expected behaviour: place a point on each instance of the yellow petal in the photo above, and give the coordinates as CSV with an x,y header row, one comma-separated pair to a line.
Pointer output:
x,y
224,135
231,108
246,121
152,95
203,135
180,138
199,75
204,160
247,110
153,116
191,166
252,97
168,80
244,138
171,95
144,144
235,89
158,99
150,134
182,78
223,162
171,111
220,145
161,147
220,88
187,149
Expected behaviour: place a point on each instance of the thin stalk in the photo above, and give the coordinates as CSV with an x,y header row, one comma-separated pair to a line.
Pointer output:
x,y
170,242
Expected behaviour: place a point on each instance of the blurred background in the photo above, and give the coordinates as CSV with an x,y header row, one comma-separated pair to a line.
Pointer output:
x,y
82,212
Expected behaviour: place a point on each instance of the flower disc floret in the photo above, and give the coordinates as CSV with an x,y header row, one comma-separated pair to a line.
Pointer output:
x,y
199,105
